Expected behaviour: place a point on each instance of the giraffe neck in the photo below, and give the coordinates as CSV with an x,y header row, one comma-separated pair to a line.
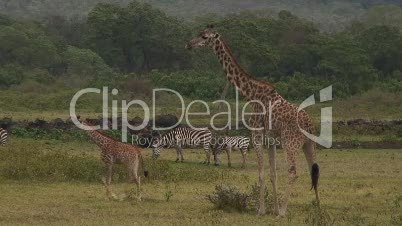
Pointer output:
x,y
99,138
246,84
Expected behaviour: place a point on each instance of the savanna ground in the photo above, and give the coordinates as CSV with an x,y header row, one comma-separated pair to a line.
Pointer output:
x,y
39,186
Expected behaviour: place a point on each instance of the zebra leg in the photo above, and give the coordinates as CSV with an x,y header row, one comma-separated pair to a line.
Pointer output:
x,y
208,154
217,157
181,154
244,153
177,153
229,153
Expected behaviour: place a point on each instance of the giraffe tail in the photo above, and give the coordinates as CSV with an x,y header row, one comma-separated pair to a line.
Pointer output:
x,y
315,174
143,166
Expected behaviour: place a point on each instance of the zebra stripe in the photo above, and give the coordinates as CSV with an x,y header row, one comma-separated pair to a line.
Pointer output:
x,y
184,137
3,136
229,143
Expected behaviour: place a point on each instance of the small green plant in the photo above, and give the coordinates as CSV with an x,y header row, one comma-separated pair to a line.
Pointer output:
x,y
168,195
254,199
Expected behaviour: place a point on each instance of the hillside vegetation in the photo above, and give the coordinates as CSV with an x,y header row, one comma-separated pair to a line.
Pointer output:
x,y
136,47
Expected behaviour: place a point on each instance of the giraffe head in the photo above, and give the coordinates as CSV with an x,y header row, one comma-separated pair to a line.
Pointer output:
x,y
206,38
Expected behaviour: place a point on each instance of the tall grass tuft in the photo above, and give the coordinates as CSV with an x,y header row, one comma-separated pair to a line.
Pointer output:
x,y
318,216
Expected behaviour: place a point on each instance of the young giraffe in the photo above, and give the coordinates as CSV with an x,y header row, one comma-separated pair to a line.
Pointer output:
x,y
113,151
283,122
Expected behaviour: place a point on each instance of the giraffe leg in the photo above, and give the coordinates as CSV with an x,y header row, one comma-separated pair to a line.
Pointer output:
x,y
291,152
257,138
272,168
133,179
229,153
108,179
137,180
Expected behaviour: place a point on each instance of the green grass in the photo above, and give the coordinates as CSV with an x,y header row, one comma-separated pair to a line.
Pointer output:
x,y
358,187
372,105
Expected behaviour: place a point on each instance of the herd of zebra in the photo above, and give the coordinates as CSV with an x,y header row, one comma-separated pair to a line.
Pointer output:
x,y
181,137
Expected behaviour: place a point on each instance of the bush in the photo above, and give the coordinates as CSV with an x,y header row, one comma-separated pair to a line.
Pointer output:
x,y
10,74
228,197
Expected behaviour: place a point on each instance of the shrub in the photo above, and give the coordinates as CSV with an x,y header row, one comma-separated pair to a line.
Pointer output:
x,y
10,74
228,197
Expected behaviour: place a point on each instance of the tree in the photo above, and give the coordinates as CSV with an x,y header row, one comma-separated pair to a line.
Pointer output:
x,y
137,38
386,15
384,47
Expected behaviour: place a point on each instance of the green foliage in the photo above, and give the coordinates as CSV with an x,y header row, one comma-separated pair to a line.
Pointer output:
x,y
286,50
86,62
388,15
136,38
27,44
194,84
10,74
52,134
29,53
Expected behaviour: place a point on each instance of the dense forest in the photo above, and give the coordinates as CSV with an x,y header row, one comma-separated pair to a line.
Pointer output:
x,y
329,15
136,46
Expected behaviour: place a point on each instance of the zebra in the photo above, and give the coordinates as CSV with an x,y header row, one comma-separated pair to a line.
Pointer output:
x,y
184,137
228,143
3,136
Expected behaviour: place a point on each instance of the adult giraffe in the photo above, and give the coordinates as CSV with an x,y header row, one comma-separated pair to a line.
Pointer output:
x,y
281,120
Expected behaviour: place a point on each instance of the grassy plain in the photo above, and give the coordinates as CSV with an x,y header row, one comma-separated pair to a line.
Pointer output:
x,y
358,187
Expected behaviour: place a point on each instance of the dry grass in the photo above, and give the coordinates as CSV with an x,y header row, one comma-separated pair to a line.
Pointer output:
x,y
358,187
